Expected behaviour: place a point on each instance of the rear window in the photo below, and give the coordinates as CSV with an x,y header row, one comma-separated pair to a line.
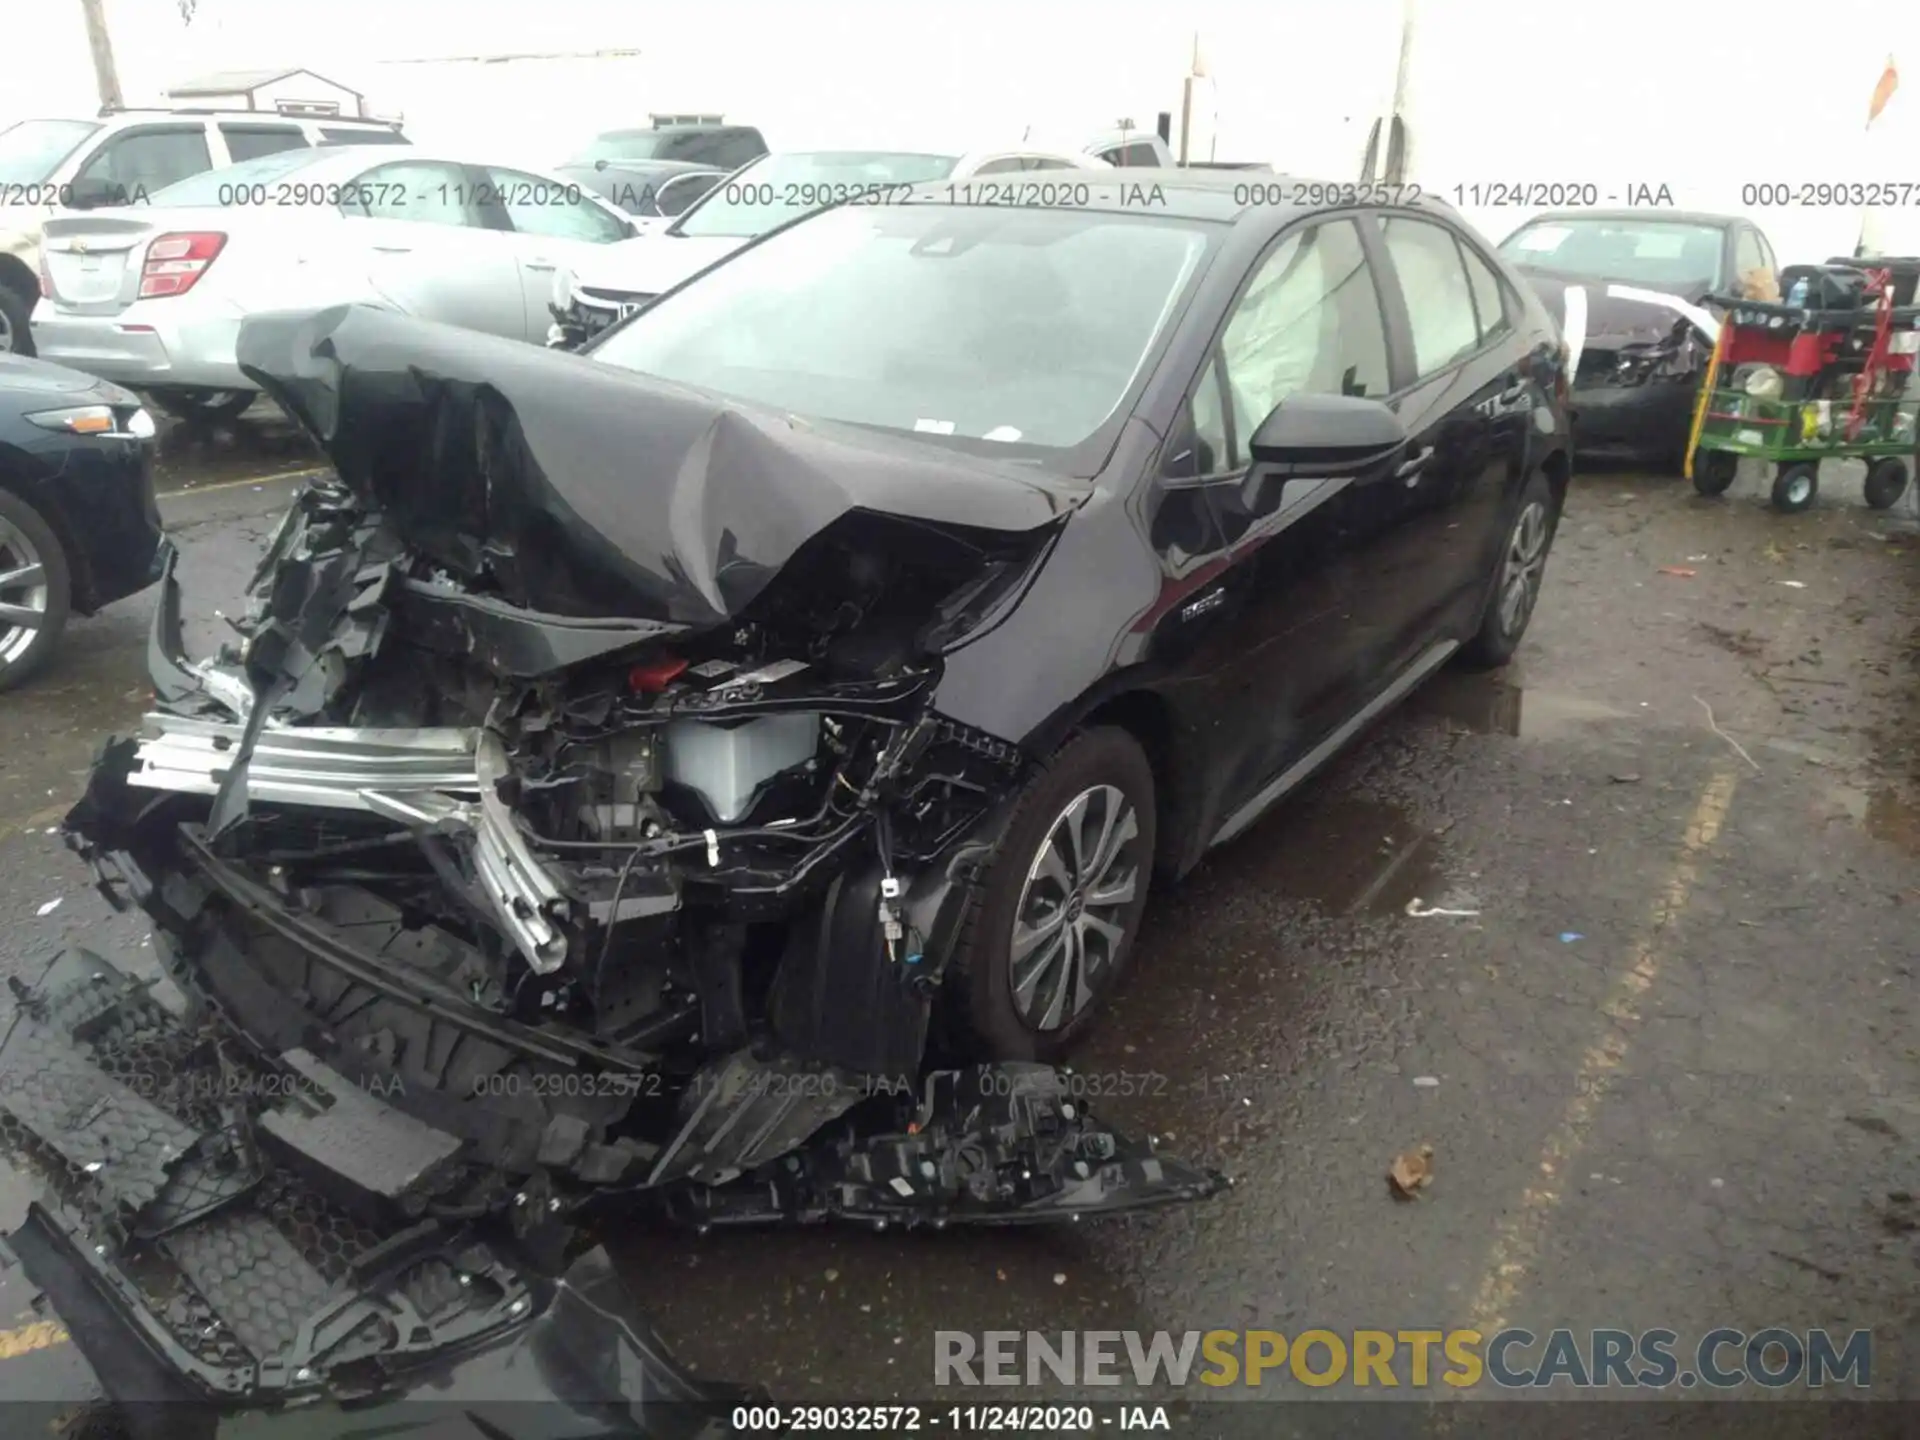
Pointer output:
x,y
239,184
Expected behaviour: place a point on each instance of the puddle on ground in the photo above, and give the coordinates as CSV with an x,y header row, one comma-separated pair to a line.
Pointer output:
x,y
1365,858
1500,707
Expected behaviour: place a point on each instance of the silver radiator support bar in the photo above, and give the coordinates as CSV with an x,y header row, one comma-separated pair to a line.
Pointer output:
x,y
441,779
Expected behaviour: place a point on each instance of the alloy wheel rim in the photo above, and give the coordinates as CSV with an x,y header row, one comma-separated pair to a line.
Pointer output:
x,y
1070,922
1798,489
1526,559
23,593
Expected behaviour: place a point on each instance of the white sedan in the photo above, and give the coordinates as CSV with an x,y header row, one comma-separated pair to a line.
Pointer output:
x,y
765,195
152,295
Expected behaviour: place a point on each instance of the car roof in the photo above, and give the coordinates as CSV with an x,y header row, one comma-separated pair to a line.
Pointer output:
x,y
1220,196
1650,213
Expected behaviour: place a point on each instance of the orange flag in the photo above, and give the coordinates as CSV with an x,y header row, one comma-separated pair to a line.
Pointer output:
x,y
1883,91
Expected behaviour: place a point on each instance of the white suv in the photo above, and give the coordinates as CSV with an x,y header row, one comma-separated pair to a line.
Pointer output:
x,y
50,166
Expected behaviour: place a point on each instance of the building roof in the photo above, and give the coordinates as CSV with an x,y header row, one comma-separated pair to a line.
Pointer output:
x,y
238,82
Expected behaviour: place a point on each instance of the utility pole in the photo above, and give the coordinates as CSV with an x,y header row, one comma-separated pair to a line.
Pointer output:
x,y
105,77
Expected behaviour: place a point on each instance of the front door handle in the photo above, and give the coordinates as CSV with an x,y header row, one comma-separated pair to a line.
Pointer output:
x,y
1410,470
394,249
539,262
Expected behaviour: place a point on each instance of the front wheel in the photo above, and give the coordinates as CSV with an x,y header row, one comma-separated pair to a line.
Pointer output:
x,y
204,407
1516,579
1714,471
35,590
1795,487
1886,483
1053,925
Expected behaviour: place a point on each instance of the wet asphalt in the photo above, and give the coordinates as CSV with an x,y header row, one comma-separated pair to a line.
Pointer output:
x,y
1668,1064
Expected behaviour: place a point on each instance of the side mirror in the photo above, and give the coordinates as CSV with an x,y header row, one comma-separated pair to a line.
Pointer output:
x,y
678,194
1327,434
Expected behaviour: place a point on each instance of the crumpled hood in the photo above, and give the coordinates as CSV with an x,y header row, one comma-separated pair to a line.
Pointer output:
x,y
653,264
1617,313
579,488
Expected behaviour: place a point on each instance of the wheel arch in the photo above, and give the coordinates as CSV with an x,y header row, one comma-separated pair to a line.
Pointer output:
x,y
80,586
1146,715
18,276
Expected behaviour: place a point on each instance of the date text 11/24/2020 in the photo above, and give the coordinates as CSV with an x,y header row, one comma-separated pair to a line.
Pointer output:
x,y
1562,194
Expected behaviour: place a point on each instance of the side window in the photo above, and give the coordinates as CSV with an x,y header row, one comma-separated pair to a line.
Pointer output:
x,y
1136,156
542,207
1003,166
1489,295
415,190
147,159
1048,162
1766,252
1439,297
1197,444
250,142
1309,323
336,135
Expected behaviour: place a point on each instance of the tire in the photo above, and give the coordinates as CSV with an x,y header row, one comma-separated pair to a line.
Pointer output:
x,y
16,322
1522,560
1098,773
27,540
1886,483
1714,471
1795,487
204,407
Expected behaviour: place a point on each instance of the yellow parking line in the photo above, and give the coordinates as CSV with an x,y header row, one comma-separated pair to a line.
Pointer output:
x,y
303,471
1518,1242
41,1335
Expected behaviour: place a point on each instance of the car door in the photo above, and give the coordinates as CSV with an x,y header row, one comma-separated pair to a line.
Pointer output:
x,y
132,164
426,247
1465,414
1308,320
550,226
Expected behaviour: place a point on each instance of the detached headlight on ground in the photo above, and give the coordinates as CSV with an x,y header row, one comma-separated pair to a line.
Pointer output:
x,y
1763,382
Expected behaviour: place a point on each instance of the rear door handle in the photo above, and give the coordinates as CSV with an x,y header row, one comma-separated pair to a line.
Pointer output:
x,y
1409,471
539,262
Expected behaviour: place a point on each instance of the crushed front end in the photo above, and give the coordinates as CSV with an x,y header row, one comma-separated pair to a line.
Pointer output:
x,y
505,876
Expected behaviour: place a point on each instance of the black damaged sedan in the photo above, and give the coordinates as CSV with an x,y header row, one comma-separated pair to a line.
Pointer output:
x,y
1628,289
725,770
79,528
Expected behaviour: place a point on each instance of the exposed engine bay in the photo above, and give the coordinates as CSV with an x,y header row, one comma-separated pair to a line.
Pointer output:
x,y
509,866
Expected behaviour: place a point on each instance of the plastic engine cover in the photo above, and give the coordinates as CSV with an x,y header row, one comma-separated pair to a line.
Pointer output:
x,y
726,764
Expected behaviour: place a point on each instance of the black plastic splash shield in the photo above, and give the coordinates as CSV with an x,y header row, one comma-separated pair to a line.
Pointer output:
x,y
580,488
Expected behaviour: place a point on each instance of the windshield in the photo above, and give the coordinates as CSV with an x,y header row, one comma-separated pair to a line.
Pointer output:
x,y
1667,253
248,183
778,188
1023,327
630,145
31,150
